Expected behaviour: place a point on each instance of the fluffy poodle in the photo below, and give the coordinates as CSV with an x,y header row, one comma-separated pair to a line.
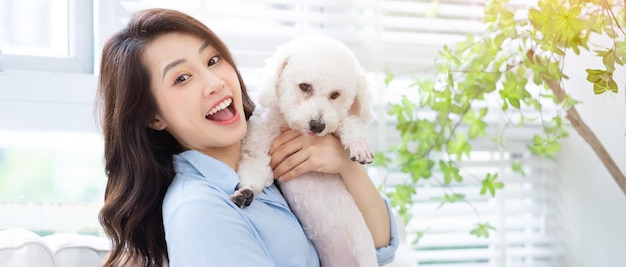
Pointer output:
x,y
313,84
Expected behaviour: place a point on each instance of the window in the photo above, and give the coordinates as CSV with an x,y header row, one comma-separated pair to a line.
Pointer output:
x,y
54,180
47,35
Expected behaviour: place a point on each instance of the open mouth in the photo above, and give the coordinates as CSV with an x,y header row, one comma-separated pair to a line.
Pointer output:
x,y
222,112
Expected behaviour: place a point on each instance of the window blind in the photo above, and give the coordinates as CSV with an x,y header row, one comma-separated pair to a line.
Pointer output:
x,y
396,36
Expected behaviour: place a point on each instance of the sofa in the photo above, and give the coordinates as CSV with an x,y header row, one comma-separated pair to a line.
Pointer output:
x,y
24,248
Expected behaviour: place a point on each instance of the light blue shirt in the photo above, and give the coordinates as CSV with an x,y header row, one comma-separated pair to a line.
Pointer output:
x,y
204,228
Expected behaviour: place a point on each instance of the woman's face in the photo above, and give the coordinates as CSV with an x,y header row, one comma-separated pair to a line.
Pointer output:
x,y
197,93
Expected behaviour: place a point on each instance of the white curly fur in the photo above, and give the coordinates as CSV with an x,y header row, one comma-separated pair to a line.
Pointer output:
x,y
321,202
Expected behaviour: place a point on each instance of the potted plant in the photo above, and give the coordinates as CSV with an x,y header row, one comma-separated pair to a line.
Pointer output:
x,y
520,61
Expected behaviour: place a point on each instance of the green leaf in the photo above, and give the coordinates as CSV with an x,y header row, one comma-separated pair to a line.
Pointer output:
x,y
419,235
514,89
388,78
447,198
478,127
482,230
565,23
610,32
538,18
381,159
407,104
459,146
450,172
594,75
516,166
420,168
402,198
604,86
544,147
609,60
569,102
490,184
620,51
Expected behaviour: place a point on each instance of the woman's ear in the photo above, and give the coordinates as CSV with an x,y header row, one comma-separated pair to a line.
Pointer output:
x,y
157,124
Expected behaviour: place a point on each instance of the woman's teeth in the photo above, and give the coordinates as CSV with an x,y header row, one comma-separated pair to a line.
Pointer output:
x,y
219,107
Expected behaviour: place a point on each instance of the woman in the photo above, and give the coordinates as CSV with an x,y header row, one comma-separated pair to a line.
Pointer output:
x,y
174,111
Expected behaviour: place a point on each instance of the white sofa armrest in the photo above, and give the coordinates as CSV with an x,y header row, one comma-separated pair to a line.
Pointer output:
x,y
20,247
75,250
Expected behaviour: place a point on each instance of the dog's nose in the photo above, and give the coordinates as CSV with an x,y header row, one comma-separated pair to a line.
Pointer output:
x,y
316,126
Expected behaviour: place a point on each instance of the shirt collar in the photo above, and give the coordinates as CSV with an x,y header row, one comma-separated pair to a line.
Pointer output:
x,y
215,171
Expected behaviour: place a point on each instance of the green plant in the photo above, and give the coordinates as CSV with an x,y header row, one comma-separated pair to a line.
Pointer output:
x,y
511,58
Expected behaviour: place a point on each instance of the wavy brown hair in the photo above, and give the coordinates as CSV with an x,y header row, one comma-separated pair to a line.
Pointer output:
x,y
138,159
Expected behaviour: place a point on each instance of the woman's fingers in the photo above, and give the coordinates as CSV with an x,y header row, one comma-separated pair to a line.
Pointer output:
x,y
296,164
295,155
284,146
286,136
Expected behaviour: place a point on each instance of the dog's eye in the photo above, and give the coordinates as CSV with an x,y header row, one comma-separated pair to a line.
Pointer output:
x,y
335,95
305,87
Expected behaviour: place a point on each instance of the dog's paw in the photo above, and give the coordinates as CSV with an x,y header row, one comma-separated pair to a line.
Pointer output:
x,y
360,152
242,197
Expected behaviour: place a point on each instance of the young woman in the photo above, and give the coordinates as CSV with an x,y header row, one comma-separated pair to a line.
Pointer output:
x,y
174,110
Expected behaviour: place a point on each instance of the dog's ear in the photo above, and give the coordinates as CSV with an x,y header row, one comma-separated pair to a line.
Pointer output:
x,y
361,107
271,74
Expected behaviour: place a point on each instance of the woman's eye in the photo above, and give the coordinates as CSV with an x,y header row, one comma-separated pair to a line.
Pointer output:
x,y
214,60
182,78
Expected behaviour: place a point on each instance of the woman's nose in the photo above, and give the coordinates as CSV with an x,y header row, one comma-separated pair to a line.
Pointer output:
x,y
213,84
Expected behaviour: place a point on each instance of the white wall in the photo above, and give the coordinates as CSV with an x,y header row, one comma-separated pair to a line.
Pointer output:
x,y
592,207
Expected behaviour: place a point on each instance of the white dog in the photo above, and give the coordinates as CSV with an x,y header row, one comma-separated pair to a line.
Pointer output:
x,y
313,84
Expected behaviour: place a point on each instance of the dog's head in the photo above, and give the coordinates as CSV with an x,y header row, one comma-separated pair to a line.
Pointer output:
x,y
315,81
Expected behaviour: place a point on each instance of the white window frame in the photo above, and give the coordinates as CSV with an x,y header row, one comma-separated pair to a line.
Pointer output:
x,y
80,35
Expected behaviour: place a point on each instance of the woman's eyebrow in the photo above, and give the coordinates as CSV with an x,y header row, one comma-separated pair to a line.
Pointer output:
x,y
171,65
176,62
204,46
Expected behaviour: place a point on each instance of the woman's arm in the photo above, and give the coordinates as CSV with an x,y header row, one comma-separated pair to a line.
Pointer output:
x,y
293,154
368,200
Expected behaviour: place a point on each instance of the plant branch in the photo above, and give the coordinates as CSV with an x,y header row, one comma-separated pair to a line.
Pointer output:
x,y
585,132
447,187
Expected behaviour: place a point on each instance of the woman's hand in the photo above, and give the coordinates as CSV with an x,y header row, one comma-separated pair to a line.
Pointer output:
x,y
294,153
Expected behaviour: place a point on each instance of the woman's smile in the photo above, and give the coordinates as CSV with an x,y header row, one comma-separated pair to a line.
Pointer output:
x,y
223,113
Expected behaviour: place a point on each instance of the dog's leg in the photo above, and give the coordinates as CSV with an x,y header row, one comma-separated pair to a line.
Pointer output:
x,y
254,169
351,132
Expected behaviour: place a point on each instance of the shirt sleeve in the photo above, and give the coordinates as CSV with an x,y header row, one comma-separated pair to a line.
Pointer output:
x,y
201,230
387,253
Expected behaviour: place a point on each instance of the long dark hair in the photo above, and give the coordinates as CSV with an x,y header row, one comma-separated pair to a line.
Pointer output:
x,y
138,160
